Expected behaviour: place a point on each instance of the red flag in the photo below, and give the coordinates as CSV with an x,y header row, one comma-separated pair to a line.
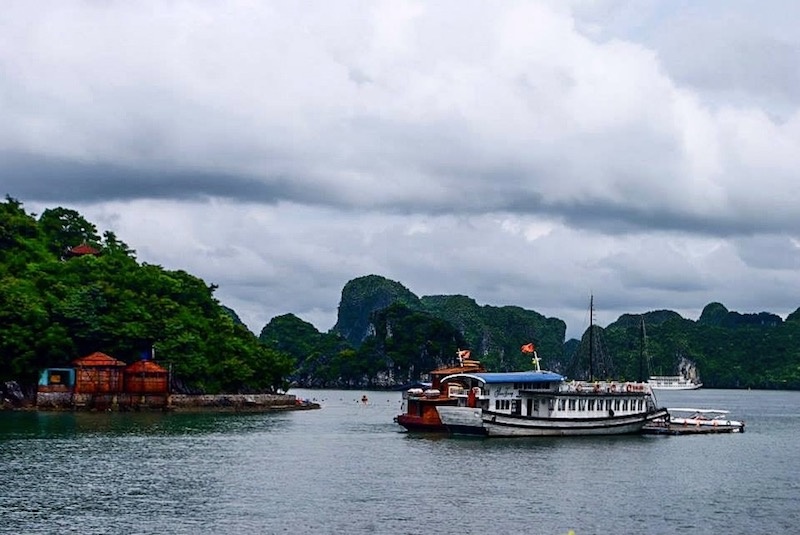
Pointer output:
x,y
464,353
528,348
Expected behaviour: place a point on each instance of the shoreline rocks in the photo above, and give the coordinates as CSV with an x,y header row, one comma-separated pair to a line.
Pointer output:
x,y
68,401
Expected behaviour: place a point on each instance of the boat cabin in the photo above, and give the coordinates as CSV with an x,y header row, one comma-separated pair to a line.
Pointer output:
x,y
544,394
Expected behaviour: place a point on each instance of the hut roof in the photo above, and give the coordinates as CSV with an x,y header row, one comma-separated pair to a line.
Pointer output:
x,y
145,366
83,249
98,359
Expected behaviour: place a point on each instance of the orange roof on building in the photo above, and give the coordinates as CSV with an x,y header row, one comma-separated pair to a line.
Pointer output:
x,y
145,366
98,359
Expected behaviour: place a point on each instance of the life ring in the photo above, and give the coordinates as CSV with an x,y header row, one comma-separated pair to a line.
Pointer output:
x,y
579,388
629,387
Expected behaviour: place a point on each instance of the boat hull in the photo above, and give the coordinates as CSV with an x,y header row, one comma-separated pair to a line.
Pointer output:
x,y
422,415
462,420
417,424
501,425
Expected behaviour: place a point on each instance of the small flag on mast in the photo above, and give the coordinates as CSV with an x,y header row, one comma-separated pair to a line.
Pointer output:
x,y
528,348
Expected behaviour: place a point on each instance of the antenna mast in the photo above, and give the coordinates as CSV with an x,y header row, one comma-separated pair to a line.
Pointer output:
x,y
591,338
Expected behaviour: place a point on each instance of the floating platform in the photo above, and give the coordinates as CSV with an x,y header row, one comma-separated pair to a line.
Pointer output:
x,y
687,421
681,429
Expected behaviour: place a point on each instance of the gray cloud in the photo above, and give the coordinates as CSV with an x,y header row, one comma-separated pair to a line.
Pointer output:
x,y
528,153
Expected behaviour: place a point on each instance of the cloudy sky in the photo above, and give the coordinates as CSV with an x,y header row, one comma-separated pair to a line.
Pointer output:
x,y
522,153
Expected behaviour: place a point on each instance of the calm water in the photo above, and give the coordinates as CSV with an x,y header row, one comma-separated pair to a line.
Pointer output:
x,y
349,469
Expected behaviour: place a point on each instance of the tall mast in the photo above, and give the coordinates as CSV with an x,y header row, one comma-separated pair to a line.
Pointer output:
x,y
641,351
591,338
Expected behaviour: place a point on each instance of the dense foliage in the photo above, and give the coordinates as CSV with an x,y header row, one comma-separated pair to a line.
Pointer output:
x,y
729,349
55,307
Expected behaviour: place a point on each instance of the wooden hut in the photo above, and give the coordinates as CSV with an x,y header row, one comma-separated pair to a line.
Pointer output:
x,y
146,377
98,373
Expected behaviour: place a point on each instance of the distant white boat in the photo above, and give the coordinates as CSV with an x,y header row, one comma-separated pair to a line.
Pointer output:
x,y
672,382
665,382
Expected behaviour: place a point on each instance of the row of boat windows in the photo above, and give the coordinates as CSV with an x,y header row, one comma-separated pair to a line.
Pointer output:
x,y
581,404
532,386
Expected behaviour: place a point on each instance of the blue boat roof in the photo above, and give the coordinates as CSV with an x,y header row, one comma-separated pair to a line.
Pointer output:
x,y
510,377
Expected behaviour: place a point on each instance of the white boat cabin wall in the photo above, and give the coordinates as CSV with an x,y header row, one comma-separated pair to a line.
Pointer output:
x,y
547,396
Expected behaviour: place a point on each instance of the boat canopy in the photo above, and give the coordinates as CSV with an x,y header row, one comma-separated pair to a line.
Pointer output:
x,y
700,411
509,377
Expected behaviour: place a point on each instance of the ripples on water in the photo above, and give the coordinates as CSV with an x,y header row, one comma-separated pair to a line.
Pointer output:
x,y
349,469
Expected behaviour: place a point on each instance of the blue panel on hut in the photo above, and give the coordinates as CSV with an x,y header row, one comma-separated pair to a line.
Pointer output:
x,y
57,377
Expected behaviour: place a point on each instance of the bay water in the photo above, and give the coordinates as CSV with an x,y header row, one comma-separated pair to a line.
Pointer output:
x,y
348,468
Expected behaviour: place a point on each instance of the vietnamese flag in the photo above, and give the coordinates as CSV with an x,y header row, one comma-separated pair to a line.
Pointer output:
x,y
528,348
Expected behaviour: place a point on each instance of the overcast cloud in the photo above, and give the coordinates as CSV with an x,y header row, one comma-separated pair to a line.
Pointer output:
x,y
521,153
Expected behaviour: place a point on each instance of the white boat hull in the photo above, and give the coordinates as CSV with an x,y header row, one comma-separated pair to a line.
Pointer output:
x,y
500,425
462,420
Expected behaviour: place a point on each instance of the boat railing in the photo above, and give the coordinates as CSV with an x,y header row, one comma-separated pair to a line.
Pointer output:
x,y
605,387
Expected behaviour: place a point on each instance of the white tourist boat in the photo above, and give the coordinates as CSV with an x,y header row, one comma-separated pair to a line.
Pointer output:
x,y
543,403
672,382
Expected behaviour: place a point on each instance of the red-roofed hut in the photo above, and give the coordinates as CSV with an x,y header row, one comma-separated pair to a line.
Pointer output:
x,y
98,373
146,377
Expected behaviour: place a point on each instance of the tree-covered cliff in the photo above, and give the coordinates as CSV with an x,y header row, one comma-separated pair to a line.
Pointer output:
x,y
56,307
728,349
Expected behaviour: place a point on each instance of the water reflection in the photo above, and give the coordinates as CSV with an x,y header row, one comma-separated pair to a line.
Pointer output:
x,y
31,425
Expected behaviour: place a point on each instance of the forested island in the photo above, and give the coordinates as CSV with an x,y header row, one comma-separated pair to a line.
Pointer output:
x,y
67,291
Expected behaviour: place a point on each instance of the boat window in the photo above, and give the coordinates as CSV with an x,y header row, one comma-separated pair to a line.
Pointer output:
x,y
535,405
582,404
572,404
562,403
497,404
591,404
624,404
600,404
616,404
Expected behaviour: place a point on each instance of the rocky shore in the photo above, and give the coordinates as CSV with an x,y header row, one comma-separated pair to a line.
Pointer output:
x,y
12,397
238,402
